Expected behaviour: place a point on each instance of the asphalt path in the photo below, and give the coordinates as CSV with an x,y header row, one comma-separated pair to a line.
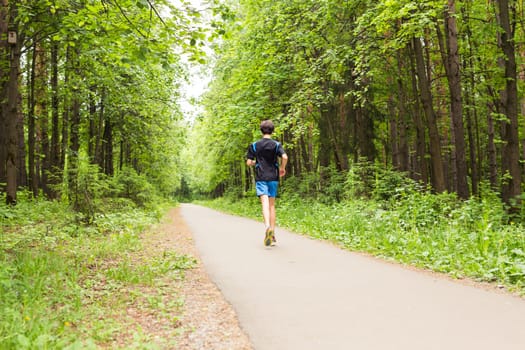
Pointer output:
x,y
306,294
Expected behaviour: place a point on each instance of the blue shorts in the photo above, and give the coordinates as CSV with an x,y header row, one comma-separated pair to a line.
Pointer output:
x,y
268,188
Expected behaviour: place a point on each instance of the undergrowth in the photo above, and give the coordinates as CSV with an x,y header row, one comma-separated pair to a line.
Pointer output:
x,y
62,280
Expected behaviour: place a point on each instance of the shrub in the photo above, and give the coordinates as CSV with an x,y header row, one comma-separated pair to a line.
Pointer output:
x,y
135,187
326,186
373,181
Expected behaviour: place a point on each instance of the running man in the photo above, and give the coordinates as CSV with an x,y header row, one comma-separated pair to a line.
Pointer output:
x,y
269,159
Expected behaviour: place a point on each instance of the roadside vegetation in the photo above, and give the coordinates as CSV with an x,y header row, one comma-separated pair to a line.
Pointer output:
x,y
65,284
91,132
391,217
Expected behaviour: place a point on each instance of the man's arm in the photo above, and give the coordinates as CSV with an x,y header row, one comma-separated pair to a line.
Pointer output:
x,y
250,156
282,167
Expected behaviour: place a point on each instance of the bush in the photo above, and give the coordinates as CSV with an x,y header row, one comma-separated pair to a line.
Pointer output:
x,y
135,187
326,186
373,181
92,192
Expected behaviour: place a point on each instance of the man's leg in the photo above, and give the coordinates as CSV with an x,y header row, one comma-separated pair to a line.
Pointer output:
x,y
271,204
265,203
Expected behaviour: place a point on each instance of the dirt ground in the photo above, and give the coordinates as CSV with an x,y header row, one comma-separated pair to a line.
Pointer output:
x,y
209,320
203,319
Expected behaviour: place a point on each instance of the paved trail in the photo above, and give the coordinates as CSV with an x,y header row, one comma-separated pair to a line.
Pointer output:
x,y
304,294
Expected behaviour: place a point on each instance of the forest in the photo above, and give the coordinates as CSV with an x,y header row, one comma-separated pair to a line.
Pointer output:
x,y
402,120
430,89
91,92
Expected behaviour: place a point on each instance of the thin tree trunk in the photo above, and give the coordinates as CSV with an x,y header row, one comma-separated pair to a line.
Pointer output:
x,y
511,186
92,135
74,140
121,155
471,113
438,177
402,119
74,147
108,148
4,74
99,138
421,166
340,157
474,176
453,70
393,134
22,170
366,133
55,169
324,139
31,126
41,112
66,111
491,152
12,112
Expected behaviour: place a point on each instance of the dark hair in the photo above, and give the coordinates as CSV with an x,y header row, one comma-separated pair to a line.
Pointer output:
x,y
267,127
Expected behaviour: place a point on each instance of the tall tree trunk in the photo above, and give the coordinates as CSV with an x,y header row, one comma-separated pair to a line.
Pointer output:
x,y
12,121
491,151
55,167
98,130
4,76
402,125
341,162
474,175
511,186
365,133
438,177
421,166
11,110
393,134
121,154
92,134
41,113
453,71
22,171
74,147
74,137
108,148
345,110
3,150
324,139
64,148
471,112
31,126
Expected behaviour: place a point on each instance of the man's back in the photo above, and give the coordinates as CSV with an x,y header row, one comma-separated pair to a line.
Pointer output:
x,y
265,152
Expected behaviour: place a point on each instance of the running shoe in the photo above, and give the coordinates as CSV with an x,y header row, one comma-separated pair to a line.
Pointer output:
x,y
274,241
268,237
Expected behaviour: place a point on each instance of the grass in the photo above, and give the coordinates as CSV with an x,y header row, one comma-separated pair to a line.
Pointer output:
x,y
438,232
65,285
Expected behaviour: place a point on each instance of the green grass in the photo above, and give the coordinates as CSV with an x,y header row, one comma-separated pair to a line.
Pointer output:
x,y
62,281
463,239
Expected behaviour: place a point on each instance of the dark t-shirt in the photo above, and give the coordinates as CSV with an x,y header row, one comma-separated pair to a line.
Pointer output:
x,y
265,153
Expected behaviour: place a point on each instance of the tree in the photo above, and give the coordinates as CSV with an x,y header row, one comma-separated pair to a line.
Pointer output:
x,y
122,59
9,80
345,79
511,188
453,69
